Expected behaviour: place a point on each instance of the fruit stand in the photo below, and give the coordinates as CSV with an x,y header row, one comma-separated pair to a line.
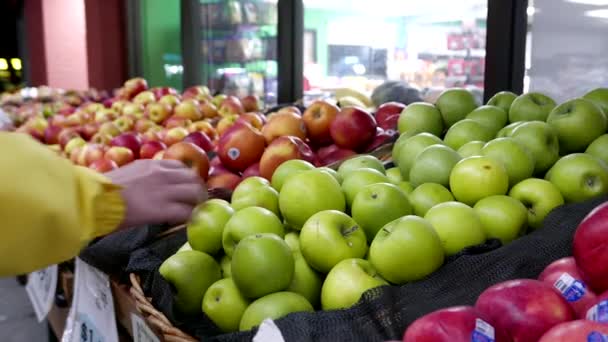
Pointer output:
x,y
358,223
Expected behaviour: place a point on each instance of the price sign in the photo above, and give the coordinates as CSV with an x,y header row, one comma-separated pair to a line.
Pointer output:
x,y
41,286
141,331
91,317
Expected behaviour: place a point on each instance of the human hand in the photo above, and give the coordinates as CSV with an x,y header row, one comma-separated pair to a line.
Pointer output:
x,y
158,191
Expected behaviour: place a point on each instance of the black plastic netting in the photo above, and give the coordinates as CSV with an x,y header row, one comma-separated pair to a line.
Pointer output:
x,y
382,313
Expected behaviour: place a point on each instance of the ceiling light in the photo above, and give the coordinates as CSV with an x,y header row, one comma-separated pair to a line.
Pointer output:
x,y
589,2
601,13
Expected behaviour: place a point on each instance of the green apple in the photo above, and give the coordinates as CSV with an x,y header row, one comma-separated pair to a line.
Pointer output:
x,y
600,97
399,143
262,264
190,273
255,192
394,175
293,241
599,148
225,262
541,140
579,177
531,107
329,237
454,105
502,99
332,172
433,165
347,281
427,195
273,306
358,179
492,117
207,225
360,162
539,197
308,193
406,249
224,304
247,222
306,281
471,149
517,160
409,151
420,117
185,247
474,178
287,169
467,130
406,187
577,123
502,217
508,129
378,204
457,225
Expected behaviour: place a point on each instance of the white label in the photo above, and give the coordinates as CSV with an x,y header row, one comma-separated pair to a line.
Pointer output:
x,y
41,287
599,312
233,153
141,330
483,332
268,332
92,317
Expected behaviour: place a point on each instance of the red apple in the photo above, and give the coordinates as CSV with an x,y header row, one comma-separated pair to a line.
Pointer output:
x,y
175,121
89,130
169,100
525,309
90,153
251,103
252,171
564,276
382,138
591,248
456,324
144,98
51,134
332,153
133,109
151,134
209,110
581,330
143,125
134,86
157,112
188,109
121,155
225,180
103,165
290,109
109,128
225,123
354,128
254,119
66,110
318,118
124,123
159,92
194,91
118,106
175,135
599,310
159,155
150,148
66,135
388,113
105,115
201,140
101,138
191,155
281,150
231,105
205,127
217,170
215,161
240,146
284,124
129,140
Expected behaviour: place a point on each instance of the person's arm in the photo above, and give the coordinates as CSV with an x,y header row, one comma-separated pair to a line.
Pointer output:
x,y
50,209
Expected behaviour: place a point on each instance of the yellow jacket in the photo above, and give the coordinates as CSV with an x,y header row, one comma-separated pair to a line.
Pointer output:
x,y
49,208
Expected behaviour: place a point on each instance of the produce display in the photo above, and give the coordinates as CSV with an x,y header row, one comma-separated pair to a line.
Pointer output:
x,y
463,174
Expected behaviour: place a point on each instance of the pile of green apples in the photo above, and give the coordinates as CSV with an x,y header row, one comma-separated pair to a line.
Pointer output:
x,y
318,238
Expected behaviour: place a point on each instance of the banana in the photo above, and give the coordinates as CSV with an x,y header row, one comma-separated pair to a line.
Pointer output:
x,y
350,101
349,92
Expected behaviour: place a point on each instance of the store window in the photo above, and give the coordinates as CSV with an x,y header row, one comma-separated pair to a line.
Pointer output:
x,y
567,46
430,45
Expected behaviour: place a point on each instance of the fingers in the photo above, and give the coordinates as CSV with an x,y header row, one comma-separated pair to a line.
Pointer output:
x,y
178,213
169,164
191,194
181,176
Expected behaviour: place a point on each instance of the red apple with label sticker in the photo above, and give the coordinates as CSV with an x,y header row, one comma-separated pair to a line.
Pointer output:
x,y
525,309
387,115
591,248
150,148
283,149
581,330
191,155
455,324
564,276
354,128
240,146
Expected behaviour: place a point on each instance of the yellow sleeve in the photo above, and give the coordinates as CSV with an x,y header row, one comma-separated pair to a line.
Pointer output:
x,y
49,208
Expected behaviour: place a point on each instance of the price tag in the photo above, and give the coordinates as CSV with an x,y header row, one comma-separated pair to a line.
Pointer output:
x,y
91,317
268,332
41,286
141,331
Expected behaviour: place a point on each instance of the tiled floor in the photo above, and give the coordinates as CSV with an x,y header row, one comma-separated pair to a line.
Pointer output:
x,y
17,319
